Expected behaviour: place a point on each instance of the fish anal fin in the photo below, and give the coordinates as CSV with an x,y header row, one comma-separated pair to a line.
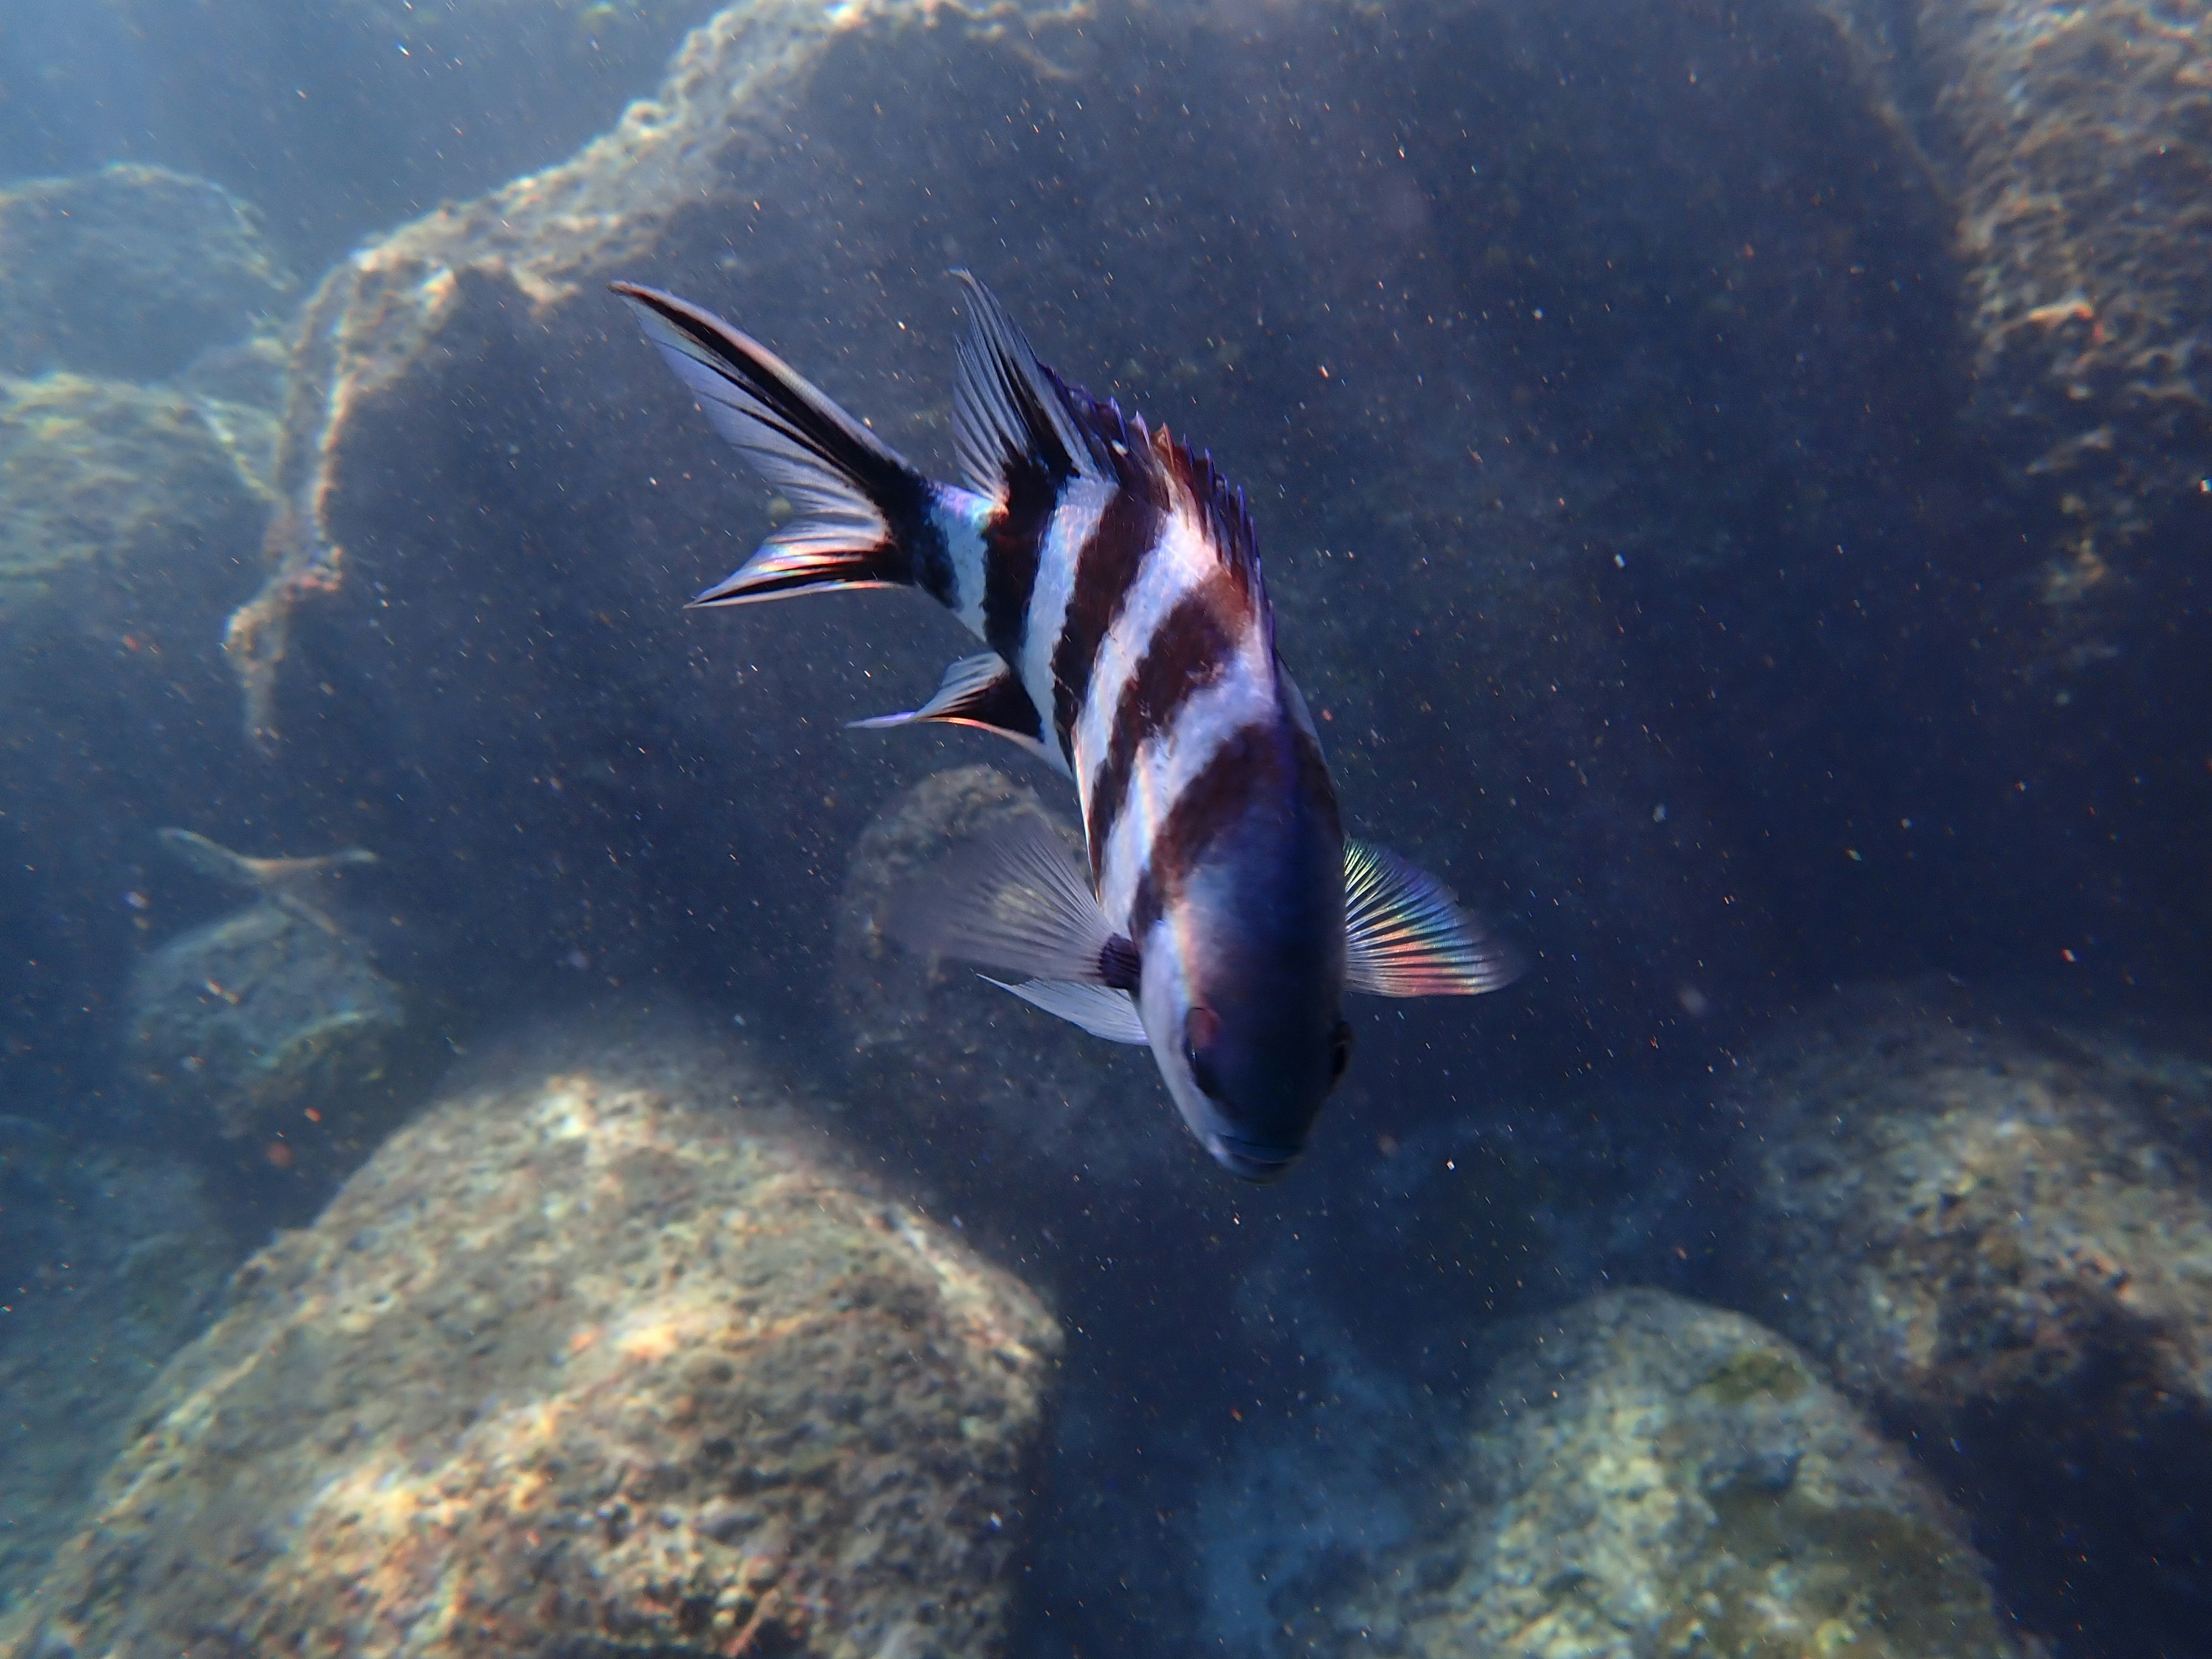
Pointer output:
x,y
984,692
1098,1008
1405,935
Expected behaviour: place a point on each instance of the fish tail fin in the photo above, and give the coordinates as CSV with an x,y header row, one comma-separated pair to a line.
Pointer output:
x,y
208,858
862,515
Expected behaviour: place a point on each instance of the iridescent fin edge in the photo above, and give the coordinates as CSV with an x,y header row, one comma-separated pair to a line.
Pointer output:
x,y
1405,936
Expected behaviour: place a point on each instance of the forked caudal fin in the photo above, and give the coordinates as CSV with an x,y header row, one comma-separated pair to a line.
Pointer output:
x,y
863,516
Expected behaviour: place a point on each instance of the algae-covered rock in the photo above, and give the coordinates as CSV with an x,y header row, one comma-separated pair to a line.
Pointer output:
x,y
131,272
99,477
1646,1476
1998,1232
267,1030
113,1258
595,1362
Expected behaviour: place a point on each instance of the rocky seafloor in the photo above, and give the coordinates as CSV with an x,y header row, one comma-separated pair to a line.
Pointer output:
x,y
1732,487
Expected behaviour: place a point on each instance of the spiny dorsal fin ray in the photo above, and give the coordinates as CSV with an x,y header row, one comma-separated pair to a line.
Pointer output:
x,y
853,493
980,691
1010,413
1404,936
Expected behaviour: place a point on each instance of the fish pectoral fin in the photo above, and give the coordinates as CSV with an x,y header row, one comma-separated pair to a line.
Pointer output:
x,y
1098,1008
1014,899
1405,935
1009,411
980,691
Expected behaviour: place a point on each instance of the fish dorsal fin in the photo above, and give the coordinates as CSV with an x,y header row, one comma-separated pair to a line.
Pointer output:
x,y
982,691
1224,517
1015,900
1011,414
1098,1008
1404,936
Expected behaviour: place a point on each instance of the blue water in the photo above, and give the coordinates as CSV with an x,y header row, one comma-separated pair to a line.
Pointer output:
x,y
1641,518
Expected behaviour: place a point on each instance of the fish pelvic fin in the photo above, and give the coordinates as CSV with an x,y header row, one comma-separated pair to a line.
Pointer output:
x,y
1405,935
862,518
981,691
1015,900
1098,1008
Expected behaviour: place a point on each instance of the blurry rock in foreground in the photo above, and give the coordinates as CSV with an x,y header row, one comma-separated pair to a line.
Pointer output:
x,y
130,271
1999,1234
586,1362
114,1258
941,1054
1648,1476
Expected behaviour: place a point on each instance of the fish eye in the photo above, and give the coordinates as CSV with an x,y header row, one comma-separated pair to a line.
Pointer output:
x,y
1339,1051
1200,1026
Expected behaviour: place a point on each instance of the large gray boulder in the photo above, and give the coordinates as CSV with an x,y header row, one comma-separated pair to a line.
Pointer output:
x,y
1645,1476
588,1360
1997,1231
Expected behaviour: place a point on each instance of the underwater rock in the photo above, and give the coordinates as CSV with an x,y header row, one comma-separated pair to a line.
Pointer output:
x,y
939,1055
596,1361
1449,371
1647,1476
1998,1232
114,1258
102,478
269,1028
131,272
2083,138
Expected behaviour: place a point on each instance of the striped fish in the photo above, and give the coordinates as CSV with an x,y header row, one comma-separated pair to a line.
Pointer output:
x,y
1114,579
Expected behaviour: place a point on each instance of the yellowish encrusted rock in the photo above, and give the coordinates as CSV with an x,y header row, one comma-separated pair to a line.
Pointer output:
x,y
591,1362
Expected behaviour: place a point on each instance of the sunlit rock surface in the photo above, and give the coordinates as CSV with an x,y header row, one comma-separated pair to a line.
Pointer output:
x,y
593,1362
113,1258
1646,1476
1998,1232
130,272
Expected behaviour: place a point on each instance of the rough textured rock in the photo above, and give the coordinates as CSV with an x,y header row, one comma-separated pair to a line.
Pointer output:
x,y
114,474
1998,1232
2084,141
131,272
267,1031
111,1259
946,1057
1489,273
589,1362
1647,1476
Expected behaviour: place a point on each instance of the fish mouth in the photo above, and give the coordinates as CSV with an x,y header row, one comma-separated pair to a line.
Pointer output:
x,y
1250,1161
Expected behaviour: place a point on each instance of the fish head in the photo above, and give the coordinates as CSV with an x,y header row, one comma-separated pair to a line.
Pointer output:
x,y
1242,988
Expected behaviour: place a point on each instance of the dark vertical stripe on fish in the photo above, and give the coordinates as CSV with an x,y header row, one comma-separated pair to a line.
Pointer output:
x,y
1011,547
1251,765
1189,651
1104,571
